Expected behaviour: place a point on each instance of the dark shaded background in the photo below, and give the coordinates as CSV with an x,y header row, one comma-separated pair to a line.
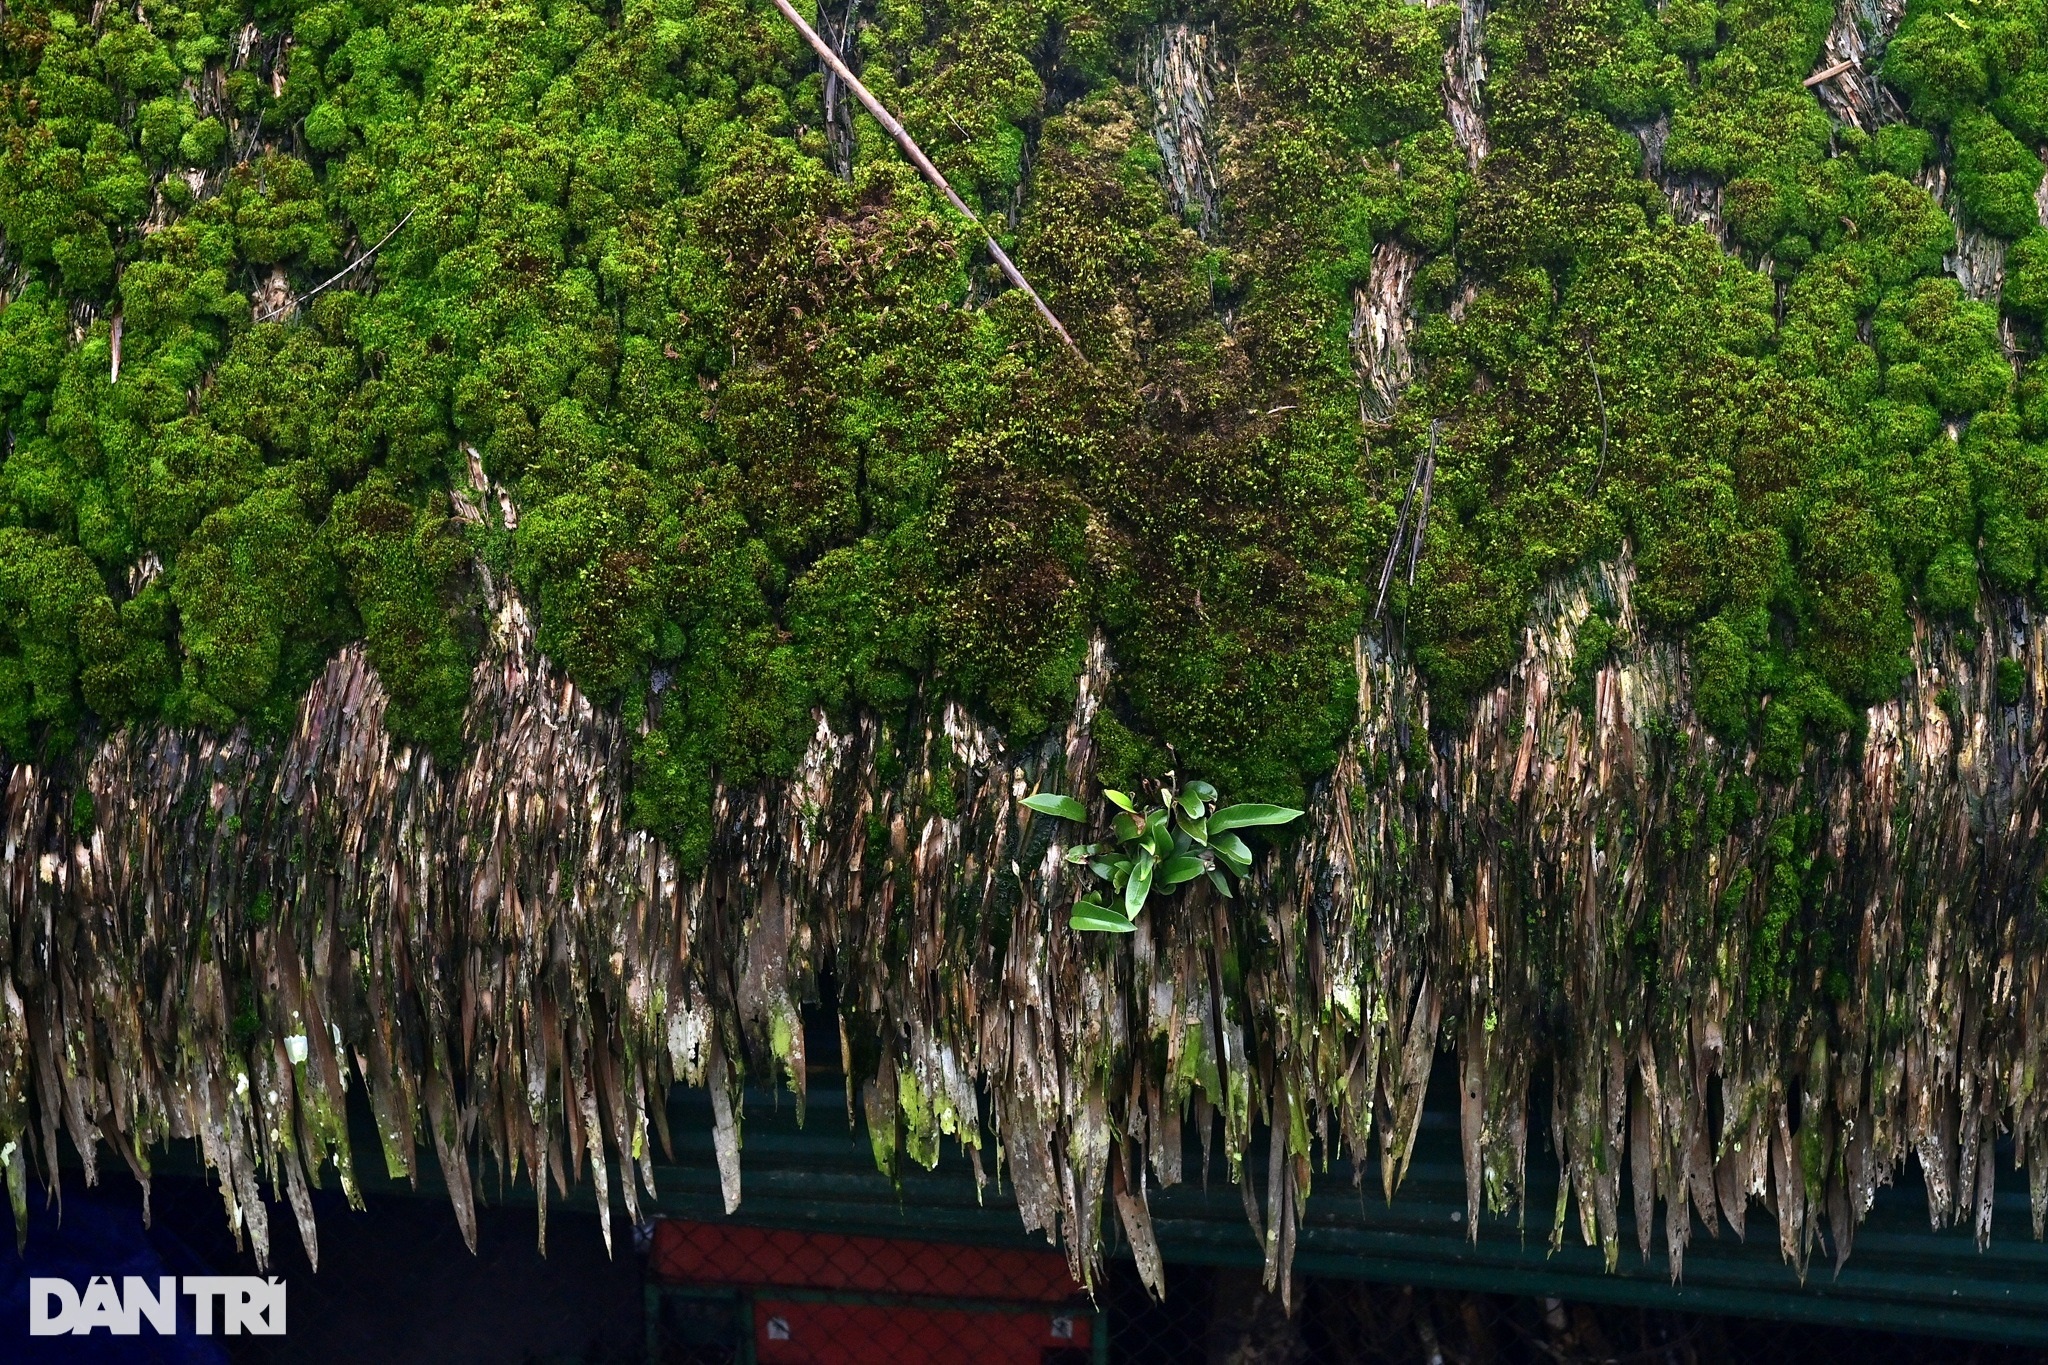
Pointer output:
x,y
396,1283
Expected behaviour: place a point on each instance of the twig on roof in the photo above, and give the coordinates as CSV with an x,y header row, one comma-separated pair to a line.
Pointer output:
x,y
1422,517
249,147
839,133
303,299
1424,478
839,68
1822,77
1394,550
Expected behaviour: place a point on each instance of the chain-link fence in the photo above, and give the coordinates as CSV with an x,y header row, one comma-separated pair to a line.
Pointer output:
x,y
719,1294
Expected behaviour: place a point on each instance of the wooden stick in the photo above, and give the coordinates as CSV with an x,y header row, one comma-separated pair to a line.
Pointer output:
x,y
254,134
918,159
306,297
1837,69
1422,517
1394,550
842,164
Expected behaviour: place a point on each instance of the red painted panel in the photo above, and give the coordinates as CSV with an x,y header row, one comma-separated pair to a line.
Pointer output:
x,y
686,1252
787,1333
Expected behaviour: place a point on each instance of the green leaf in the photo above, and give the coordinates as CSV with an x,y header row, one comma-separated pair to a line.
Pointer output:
x,y
1052,803
1240,817
1191,804
1080,853
1232,850
1156,837
1182,867
1222,887
1118,798
1197,829
1139,886
1127,828
1202,790
1090,917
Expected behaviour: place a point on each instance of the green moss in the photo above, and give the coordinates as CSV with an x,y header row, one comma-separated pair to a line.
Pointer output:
x,y
406,572
1938,62
943,795
1597,639
254,587
1900,149
2026,277
1690,27
595,562
1791,890
1732,803
1746,117
326,128
1800,709
785,443
2012,681
2012,497
1951,582
860,619
1124,759
1996,175
203,142
1723,675
48,592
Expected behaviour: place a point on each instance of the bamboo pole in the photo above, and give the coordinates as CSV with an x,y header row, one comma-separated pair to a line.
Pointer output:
x,y
923,163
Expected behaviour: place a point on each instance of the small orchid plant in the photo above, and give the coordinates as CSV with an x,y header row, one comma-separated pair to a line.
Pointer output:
x,y
1158,848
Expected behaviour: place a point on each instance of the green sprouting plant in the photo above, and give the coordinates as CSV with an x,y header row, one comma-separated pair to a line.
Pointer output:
x,y
1159,848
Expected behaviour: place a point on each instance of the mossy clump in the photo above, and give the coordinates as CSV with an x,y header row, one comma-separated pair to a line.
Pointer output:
x,y
1799,433
2012,681
784,443
1595,644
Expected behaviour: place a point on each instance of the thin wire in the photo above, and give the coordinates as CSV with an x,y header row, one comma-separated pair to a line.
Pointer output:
x,y
302,300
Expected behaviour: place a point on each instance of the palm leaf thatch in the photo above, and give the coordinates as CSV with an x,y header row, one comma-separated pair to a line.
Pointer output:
x,y
1758,991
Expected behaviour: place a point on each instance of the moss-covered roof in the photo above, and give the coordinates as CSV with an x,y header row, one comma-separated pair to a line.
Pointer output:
x,y
784,441
461,459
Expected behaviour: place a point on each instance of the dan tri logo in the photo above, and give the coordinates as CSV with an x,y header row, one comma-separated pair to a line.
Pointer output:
x,y
246,1304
